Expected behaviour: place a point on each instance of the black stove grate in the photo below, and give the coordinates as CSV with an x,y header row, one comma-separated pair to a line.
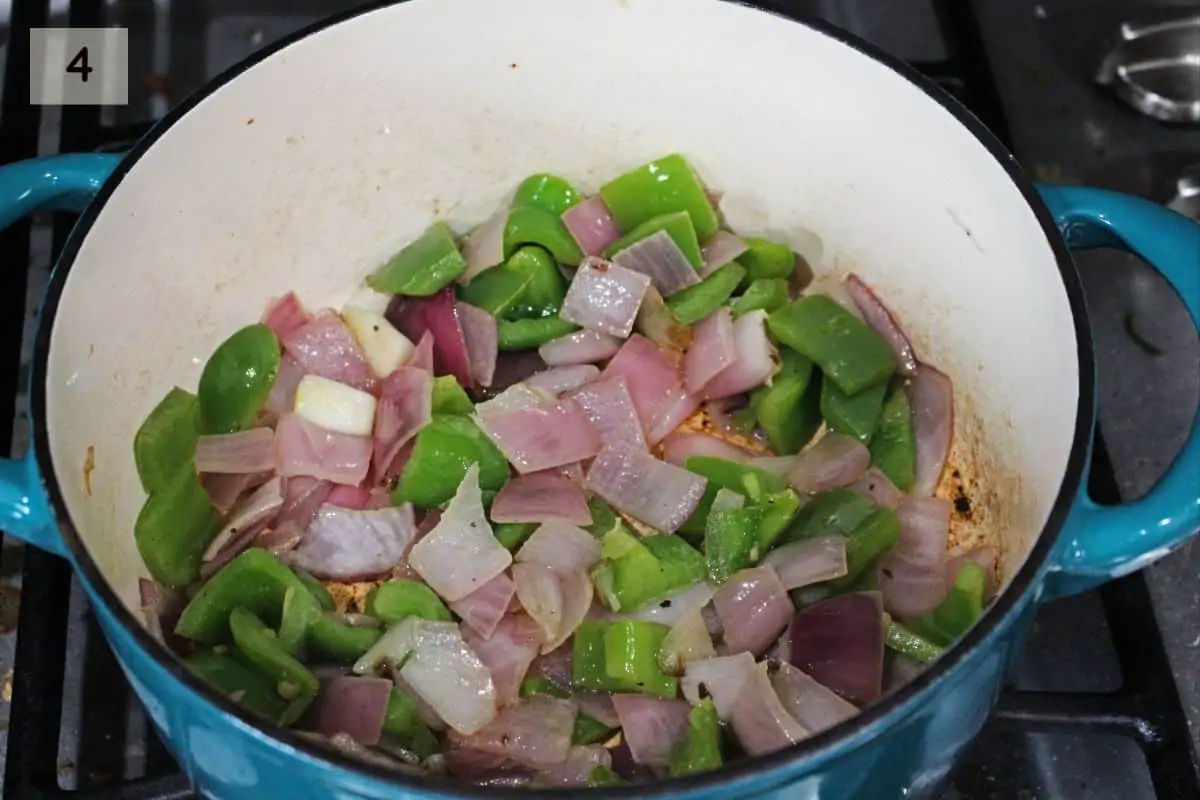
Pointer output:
x,y
1145,710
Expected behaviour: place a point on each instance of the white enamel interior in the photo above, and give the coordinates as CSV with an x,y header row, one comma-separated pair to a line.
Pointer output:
x,y
313,166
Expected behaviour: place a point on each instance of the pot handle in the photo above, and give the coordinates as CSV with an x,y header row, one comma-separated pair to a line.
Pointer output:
x,y
1100,543
54,183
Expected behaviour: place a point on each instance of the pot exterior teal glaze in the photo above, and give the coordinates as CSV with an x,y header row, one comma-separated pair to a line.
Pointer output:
x,y
306,166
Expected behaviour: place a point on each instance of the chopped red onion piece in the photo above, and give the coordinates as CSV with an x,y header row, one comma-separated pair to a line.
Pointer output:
x,y
422,357
713,350
507,654
541,497
809,561
687,641
609,408
346,545
481,340
282,398
326,347
651,375
597,705
984,556
303,496
460,554
604,297
557,668
754,609
438,315
675,409
718,250
557,380
251,515
759,719
577,593
659,258
725,415
483,247
540,593
578,766
512,368
932,397
302,448
592,226
225,490
482,609
624,765
535,731
161,607
353,706
580,347
285,315
839,642
879,489
756,360
835,461
238,453
562,547
405,405
659,324
812,705
671,609
722,678
352,497
682,445
450,677
549,435
517,397
876,314
651,726
912,574
658,494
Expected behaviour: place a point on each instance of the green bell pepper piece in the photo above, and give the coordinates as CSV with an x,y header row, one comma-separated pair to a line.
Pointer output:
x,y
856,415
766,260
848,352
166,441
637,572
604,518
526,334
744,479
631,656
293,681
696,302
589,662
329,638
548,192
513,534
913,645
547,288
498,290
532,225
400,599
317,590
789,410
959,610
700,748
255,580
237,379
660,187
731,541
603,776
232,675
422,267
445,448
174,528
894,447
450,398
838,511
779,509
543,685
402,723
678,225
589,730
869,540
768,294
299,611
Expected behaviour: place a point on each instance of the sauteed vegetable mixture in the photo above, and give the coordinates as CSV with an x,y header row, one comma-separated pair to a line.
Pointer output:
x,y
601,492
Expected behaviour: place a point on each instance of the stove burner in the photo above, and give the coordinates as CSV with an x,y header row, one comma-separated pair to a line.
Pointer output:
x,y
1156,69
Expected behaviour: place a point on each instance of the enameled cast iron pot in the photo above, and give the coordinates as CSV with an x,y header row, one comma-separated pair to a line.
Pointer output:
x,y
307,165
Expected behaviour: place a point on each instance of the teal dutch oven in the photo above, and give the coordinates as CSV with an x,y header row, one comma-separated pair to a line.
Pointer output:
x,y
307,165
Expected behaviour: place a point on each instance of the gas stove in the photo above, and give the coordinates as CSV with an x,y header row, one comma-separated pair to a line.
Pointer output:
x,y
1105,697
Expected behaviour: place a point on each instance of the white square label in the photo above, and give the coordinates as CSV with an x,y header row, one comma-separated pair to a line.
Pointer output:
x,y
79,66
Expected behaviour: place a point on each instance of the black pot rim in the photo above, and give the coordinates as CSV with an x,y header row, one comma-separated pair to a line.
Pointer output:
x,y
819,748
